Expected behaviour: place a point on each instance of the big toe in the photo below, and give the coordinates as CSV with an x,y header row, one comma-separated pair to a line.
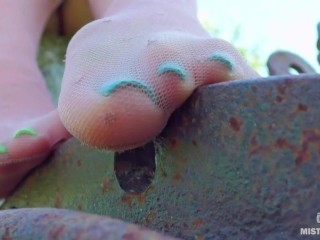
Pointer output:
x,y
118,116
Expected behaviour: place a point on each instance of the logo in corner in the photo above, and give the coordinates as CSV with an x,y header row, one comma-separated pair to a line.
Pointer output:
x,y
318,217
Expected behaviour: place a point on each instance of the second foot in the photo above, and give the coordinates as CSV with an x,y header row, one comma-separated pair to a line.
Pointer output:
x,y
25,147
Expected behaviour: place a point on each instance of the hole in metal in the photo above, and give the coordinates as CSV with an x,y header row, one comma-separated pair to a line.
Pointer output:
x,y
295,69
135,168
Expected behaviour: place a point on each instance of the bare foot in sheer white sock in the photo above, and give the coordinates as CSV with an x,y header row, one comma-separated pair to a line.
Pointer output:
x,y
128,71
29,124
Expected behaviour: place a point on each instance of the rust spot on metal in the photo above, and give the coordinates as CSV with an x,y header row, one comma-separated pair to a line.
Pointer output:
x,y
106,185
197,223
283,143
302,152
282,89
309,136
235,124
302,107
128,199
254,89
302,157
299,108
141,199
177,178
151,217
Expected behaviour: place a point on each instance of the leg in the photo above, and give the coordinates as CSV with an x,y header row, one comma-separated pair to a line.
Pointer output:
x,y
128,71
29,126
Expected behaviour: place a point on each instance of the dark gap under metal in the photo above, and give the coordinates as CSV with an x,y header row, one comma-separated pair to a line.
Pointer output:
x,y
135,169
297,68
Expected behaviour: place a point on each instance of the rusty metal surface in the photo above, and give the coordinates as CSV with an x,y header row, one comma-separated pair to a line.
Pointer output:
x,y
239,160
53,224
282,62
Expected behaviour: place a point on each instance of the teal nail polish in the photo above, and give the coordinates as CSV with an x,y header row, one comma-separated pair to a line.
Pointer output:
x,y
173,68
223,60
109,88
24,131
3,149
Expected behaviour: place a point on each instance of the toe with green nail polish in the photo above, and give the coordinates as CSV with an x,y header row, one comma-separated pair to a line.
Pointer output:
x,y
172,68
3,149
223,60
109,88
24,131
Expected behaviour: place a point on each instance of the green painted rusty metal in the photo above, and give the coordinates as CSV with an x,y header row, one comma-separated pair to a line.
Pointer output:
x,y
239,160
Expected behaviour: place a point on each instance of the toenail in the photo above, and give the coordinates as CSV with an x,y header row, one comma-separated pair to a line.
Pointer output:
x,y
223,60
24,131
108,89
172,68
3,149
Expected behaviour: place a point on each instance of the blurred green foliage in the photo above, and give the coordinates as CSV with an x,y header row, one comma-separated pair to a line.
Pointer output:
x,y
250,54
51,62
